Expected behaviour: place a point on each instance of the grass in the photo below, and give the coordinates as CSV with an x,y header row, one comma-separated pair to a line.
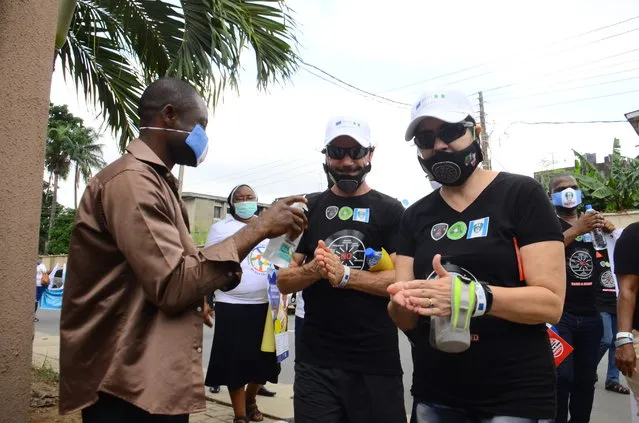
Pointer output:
x,y
45,373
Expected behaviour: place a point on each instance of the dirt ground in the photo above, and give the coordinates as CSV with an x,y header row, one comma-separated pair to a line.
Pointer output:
x,y
44,398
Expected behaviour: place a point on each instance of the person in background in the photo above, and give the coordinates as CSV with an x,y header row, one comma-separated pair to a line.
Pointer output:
x,y
580,325
41,272
236,357
606,293
131,320
626,259
499,233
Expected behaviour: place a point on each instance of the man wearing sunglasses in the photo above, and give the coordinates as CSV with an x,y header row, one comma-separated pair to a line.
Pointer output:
x,y
347,367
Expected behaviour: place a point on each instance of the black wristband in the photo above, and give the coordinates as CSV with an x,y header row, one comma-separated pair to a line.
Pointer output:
x,y
489,296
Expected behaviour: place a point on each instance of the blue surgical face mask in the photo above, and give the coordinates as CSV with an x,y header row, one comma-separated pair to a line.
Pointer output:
x,y
568,198
245,209
197,140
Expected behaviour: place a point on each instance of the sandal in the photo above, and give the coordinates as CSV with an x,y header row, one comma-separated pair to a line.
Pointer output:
x,y
253,413
617,387
240,419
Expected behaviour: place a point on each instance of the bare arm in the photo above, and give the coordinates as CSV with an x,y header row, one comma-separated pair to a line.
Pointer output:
x,y
299,276
627,302
374,283
402,317
569,236
625,356
543,299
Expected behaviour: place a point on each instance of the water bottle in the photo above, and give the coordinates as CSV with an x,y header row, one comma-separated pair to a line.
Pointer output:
x,y
445,335
597,235
378,260
280,250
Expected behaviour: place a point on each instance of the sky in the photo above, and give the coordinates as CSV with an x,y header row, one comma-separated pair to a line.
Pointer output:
x,y
543,61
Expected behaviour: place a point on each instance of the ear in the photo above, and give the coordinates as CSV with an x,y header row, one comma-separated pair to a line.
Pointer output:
x,y
169,115
370,154
478,130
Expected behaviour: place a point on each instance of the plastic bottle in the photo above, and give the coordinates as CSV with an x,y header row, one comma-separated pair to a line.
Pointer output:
x,y
378,260
280,250
444,335
597,235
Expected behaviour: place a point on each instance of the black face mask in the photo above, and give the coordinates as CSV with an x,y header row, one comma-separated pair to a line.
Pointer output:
x,y
453,168
346,183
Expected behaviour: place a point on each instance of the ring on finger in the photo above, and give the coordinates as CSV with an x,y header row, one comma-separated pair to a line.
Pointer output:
x,y
431,304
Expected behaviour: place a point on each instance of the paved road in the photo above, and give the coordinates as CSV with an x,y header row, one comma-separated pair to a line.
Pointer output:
x,y
608,407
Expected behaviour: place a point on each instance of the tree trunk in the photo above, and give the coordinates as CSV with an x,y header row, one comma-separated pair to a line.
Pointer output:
x,y
75,186
54,206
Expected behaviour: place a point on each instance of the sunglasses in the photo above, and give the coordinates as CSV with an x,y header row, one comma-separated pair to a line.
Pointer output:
x,y
447,133
338,153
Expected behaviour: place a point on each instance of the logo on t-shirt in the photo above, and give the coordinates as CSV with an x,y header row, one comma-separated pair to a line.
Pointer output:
x,y
345,213
331,212
438,231
348,245
256,258
457,231
607,280
581,264
362,215
478,228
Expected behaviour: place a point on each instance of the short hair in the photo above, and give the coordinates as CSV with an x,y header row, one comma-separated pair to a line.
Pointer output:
x,y
558,176
162,92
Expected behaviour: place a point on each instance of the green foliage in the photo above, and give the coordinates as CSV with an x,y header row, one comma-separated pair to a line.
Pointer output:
x,y
61,232
114,48
617,192
45,215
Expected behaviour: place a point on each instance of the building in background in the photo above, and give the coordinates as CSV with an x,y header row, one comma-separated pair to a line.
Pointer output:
x,y
204,210
633,118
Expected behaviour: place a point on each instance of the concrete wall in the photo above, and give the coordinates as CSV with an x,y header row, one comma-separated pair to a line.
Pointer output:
x,y
27,33
621,220
51,261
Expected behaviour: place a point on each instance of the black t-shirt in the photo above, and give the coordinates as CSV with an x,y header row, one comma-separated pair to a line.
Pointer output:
x,y
605,286
627,258
344,328
509,368
582,275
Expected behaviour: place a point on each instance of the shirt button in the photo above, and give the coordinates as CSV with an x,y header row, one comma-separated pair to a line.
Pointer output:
x,y
199,349
199,309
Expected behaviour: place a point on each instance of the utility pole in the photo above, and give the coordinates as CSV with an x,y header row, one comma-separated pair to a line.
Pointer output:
x,y
180,179
483,135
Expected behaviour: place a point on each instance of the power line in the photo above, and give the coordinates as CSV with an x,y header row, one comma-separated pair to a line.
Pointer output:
x,y
353,86
518,54
568,122
585,99
560,90
500,87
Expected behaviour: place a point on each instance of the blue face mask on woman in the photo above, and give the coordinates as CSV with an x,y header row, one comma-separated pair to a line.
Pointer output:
x,y
197,140
245,209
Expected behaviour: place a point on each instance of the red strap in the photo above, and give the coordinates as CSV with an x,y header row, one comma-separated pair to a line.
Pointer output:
x,y
519,264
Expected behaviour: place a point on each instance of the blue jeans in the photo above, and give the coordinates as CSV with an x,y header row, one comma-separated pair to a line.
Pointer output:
x,y
608,344
433,413
577,374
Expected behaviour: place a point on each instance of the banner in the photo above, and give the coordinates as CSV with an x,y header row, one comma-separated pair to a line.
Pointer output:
x,y
52,299
275,337
560,348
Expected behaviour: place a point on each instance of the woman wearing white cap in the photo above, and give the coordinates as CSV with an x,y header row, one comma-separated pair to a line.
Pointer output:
x,y
480,271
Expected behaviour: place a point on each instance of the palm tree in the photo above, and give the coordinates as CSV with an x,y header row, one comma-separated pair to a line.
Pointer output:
x,y
114,48
57,161
86,156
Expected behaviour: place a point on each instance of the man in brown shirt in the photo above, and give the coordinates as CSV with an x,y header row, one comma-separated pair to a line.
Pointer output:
x,y
131,324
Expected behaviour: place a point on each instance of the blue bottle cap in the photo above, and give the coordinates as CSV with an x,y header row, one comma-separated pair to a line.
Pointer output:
x,y
369,252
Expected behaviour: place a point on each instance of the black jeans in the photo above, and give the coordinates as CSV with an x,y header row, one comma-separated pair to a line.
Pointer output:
x,y
576,376
110,409
299,325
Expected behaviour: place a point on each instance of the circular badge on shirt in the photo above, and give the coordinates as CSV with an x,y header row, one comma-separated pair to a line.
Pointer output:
x,y
606,279
345,213
457,231
349,246
581,264
257,260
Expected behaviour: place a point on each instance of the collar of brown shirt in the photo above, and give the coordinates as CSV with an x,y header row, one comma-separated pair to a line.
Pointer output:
x,y
131,322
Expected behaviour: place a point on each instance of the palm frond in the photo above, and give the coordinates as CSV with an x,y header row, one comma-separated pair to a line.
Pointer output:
x,y
94,58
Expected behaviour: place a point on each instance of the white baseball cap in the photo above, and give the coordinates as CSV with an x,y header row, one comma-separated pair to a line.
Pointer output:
x,y
448,105
350,127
